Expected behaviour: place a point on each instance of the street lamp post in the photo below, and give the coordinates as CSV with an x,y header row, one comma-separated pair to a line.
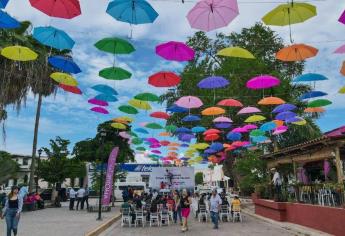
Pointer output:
x,y
38,167
103,134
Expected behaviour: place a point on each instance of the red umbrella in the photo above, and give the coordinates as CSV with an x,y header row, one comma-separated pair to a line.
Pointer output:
x,y
164,79
211,137
72,89
230,103
67,9
160,115
164,143
212,131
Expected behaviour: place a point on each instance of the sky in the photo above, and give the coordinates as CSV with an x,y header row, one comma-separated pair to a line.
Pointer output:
x,y
68,115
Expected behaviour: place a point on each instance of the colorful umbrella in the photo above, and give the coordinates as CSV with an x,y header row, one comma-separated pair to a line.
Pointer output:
x,y
164,79
319,103
212,131
100,110
211,137
189,102
296,52
213,82
106,97
154,126
114,73
97,102
180,130
102,88
177,109
53,37
257,133
7,21
66,64
263,82
314,110
255,118
164,134
280,130
141,130
198,129
71,89
124,135
236,52
268,126
250,127
222,125
132,11
209,15
119,120
171,128
63,78
191,118
19,53
342,70
143,105
229,102
222,119
175,51
233,136
312,94
128,109
239,130
150,97
115,46
284,107
271,101
160,115
300,122
118,126
342,90
248,110
289,13
67,9
3,3
213,111
140,149
126,118
285,115
310,77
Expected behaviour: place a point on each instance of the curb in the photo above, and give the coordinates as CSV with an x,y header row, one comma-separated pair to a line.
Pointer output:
x,y
101,228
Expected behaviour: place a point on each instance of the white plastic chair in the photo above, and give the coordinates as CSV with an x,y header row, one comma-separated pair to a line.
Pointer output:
x,y
139,218
164,217
224,213
236,210
126,218
154,219
202,213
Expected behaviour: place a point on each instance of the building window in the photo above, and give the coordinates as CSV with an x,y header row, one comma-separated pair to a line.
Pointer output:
x,y
25,162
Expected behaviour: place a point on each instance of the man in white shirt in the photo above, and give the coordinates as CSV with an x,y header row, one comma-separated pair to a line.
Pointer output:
x,y
72,195
215,204
80,198
277,182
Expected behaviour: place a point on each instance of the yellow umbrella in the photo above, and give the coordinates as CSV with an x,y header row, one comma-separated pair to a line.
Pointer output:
x,y
255,118
342,90
118,126
126,118
200,146
301,122
143,105
236,52
119,120
63,78
213,111
19,53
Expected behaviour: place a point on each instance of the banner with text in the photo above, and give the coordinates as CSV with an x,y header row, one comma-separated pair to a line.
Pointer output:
x,y
172,178
108,184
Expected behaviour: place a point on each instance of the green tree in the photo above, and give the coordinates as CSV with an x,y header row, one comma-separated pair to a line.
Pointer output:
x,y
199,178
8,167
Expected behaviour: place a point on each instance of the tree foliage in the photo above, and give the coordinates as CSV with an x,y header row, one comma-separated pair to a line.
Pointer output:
x,y
199,178
8,167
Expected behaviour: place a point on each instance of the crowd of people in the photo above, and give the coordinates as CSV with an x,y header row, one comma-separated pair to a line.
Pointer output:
x,y
81,196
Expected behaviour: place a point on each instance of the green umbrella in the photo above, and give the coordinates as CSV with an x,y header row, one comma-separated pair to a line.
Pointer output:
x,y
147,97
140,149
137,141
154,126
170,128
319,103
153,156
256,133
115,46
115,73
131,133
128,109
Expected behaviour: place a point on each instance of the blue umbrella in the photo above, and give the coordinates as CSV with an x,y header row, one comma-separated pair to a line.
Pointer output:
x,y
213,82
285,115
210,151
105,89
233,136
293,119
183,130
177,109
53,37
106,97
7,21
141,130
222,125
198,129
185,137
132,11
284,107
3,3
184,145
259,139
191,118
217,146
310,77
268,126
312,94
66,64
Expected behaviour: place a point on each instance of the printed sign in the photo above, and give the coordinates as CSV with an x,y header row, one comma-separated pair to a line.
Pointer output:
x,y
172,178
137,167
108,184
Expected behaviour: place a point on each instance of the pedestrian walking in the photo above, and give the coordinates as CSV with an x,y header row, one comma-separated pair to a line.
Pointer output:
x,y
13,208
177,207
186,201
80,198
86,197
72,196
215,205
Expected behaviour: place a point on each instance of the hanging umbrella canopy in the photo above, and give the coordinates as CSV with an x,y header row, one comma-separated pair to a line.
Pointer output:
x,y
263,82
212,131
222,119
53,37
114,73
189,102
285,115
340,50
19,53
100,110
182,130
175,51
279,122
63,78
164,142
118,126
314,110
66,9
342,90
141,130
160,115
140,149
164,134
229,102
115,46
255,118
284,107
97,102
271,101
250,127
198,129
150,97
176,109
185,137
211,137
319,103
170,128
209,15
289,13
128,109
296,52
119,120
66,64
126,118
213,111
191,118
213,82
257,133
268,126
239,130
3,3
106,97
134,12
71,89
200,146
164,79
342,70
236,52
106,89
233,136
7,21
124,135
143,105
154,126
300,122
222,125
248,110
310,77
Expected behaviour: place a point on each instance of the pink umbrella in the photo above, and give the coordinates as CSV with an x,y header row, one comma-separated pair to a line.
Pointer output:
x,y
248,110
239,130
175,51
155,145
209,15
124,134
152,140
280,130
189,102
222,119
156,151
97,102
340,50
326,168
143,124
250,126
99,110
263,82
342,18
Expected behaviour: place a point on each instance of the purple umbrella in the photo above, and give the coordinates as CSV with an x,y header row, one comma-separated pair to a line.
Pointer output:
x,y
222,125
175,51
293,119
263,82
284,107
152,140
99,110
248,110
155,145
286,115
213,82
97,102
184,145
210,151
208,15
222,119
185,137
342,18
156,151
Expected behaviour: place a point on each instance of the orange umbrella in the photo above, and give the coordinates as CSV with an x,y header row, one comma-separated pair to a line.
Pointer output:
x,y
314,109
271,101
172,154
278,122
164,134
213,111
173,148
342,70
296,52
120,120
172,144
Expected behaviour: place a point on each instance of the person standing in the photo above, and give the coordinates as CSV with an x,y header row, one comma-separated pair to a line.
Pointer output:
x,y
86,197
72,195
277,183
186,201
177,207
215,204
80,198
13,208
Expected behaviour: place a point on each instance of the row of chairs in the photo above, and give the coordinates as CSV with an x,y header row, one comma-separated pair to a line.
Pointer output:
x,y
160,218
224,214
